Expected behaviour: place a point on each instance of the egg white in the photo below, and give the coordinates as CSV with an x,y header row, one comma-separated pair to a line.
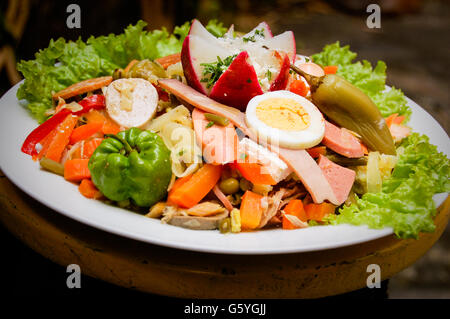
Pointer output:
x,y
300,139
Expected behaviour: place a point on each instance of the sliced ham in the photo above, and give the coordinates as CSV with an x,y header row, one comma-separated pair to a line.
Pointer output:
x,y
342,141
221,196
219,143
299,161
340,178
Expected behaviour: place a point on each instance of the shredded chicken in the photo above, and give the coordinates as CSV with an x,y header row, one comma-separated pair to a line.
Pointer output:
x,y
295,220
206,209
273,207
156,210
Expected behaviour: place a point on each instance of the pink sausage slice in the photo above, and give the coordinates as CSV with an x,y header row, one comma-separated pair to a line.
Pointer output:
x,y
342,141
340,178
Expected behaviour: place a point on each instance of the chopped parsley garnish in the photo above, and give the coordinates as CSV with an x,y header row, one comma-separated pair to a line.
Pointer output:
x,y
249,81
180,153
210,123
215,70
260,33
252,37
244,156
269,75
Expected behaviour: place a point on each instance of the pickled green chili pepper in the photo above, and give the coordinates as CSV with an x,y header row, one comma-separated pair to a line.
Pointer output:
x,y
132,165
345,161
349,107
217,119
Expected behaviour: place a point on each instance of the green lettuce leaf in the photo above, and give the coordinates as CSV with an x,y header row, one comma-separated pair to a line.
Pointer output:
x,y
406,200
361,74
67,62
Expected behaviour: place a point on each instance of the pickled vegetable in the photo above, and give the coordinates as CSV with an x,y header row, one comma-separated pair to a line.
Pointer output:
x,y
345,161
217,119
374,180
235,218
245,185
52,166
144,69
349,107
225,225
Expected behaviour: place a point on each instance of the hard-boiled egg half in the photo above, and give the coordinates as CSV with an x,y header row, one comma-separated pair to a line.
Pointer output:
x,y
285,118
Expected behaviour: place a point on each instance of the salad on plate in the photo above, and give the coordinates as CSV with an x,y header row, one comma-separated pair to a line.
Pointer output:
x,y
209,128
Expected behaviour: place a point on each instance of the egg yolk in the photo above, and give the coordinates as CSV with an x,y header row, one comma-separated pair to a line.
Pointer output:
x,y
284,114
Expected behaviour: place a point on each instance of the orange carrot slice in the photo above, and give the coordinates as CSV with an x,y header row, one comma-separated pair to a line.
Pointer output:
x,y
169,60
76,170
295,208
88,189
90,146
251,210
130,65
318,211
299,87
254,173
330,69
85,131
192,190
109,126
83,87
61,138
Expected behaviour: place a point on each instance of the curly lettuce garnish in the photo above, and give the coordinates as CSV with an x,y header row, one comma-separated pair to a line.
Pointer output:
x,y
66,62
406,200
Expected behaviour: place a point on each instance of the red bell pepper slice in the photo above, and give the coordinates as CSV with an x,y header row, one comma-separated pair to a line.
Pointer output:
x,y
95,101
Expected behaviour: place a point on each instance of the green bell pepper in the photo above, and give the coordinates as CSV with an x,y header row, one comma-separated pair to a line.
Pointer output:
x,y
134,164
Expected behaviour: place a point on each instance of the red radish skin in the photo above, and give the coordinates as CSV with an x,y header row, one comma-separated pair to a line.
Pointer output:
x,y
281,81
200,46
188,68
238,84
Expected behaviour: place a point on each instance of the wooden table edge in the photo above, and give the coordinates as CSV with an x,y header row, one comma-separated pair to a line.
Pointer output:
x,y
179,273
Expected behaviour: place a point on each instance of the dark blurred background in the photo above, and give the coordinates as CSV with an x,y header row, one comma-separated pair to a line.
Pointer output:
x,y
413,40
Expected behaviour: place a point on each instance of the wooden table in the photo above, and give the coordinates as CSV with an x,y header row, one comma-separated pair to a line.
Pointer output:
x,y
179,273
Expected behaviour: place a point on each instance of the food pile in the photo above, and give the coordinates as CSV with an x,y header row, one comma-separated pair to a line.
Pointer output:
x,y
209,128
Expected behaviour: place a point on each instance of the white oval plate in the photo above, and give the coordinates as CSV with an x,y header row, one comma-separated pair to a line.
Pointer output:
x,y
58,194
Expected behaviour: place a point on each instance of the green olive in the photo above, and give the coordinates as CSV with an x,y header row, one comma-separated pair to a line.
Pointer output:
x,y
229,186
245,185
349,107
